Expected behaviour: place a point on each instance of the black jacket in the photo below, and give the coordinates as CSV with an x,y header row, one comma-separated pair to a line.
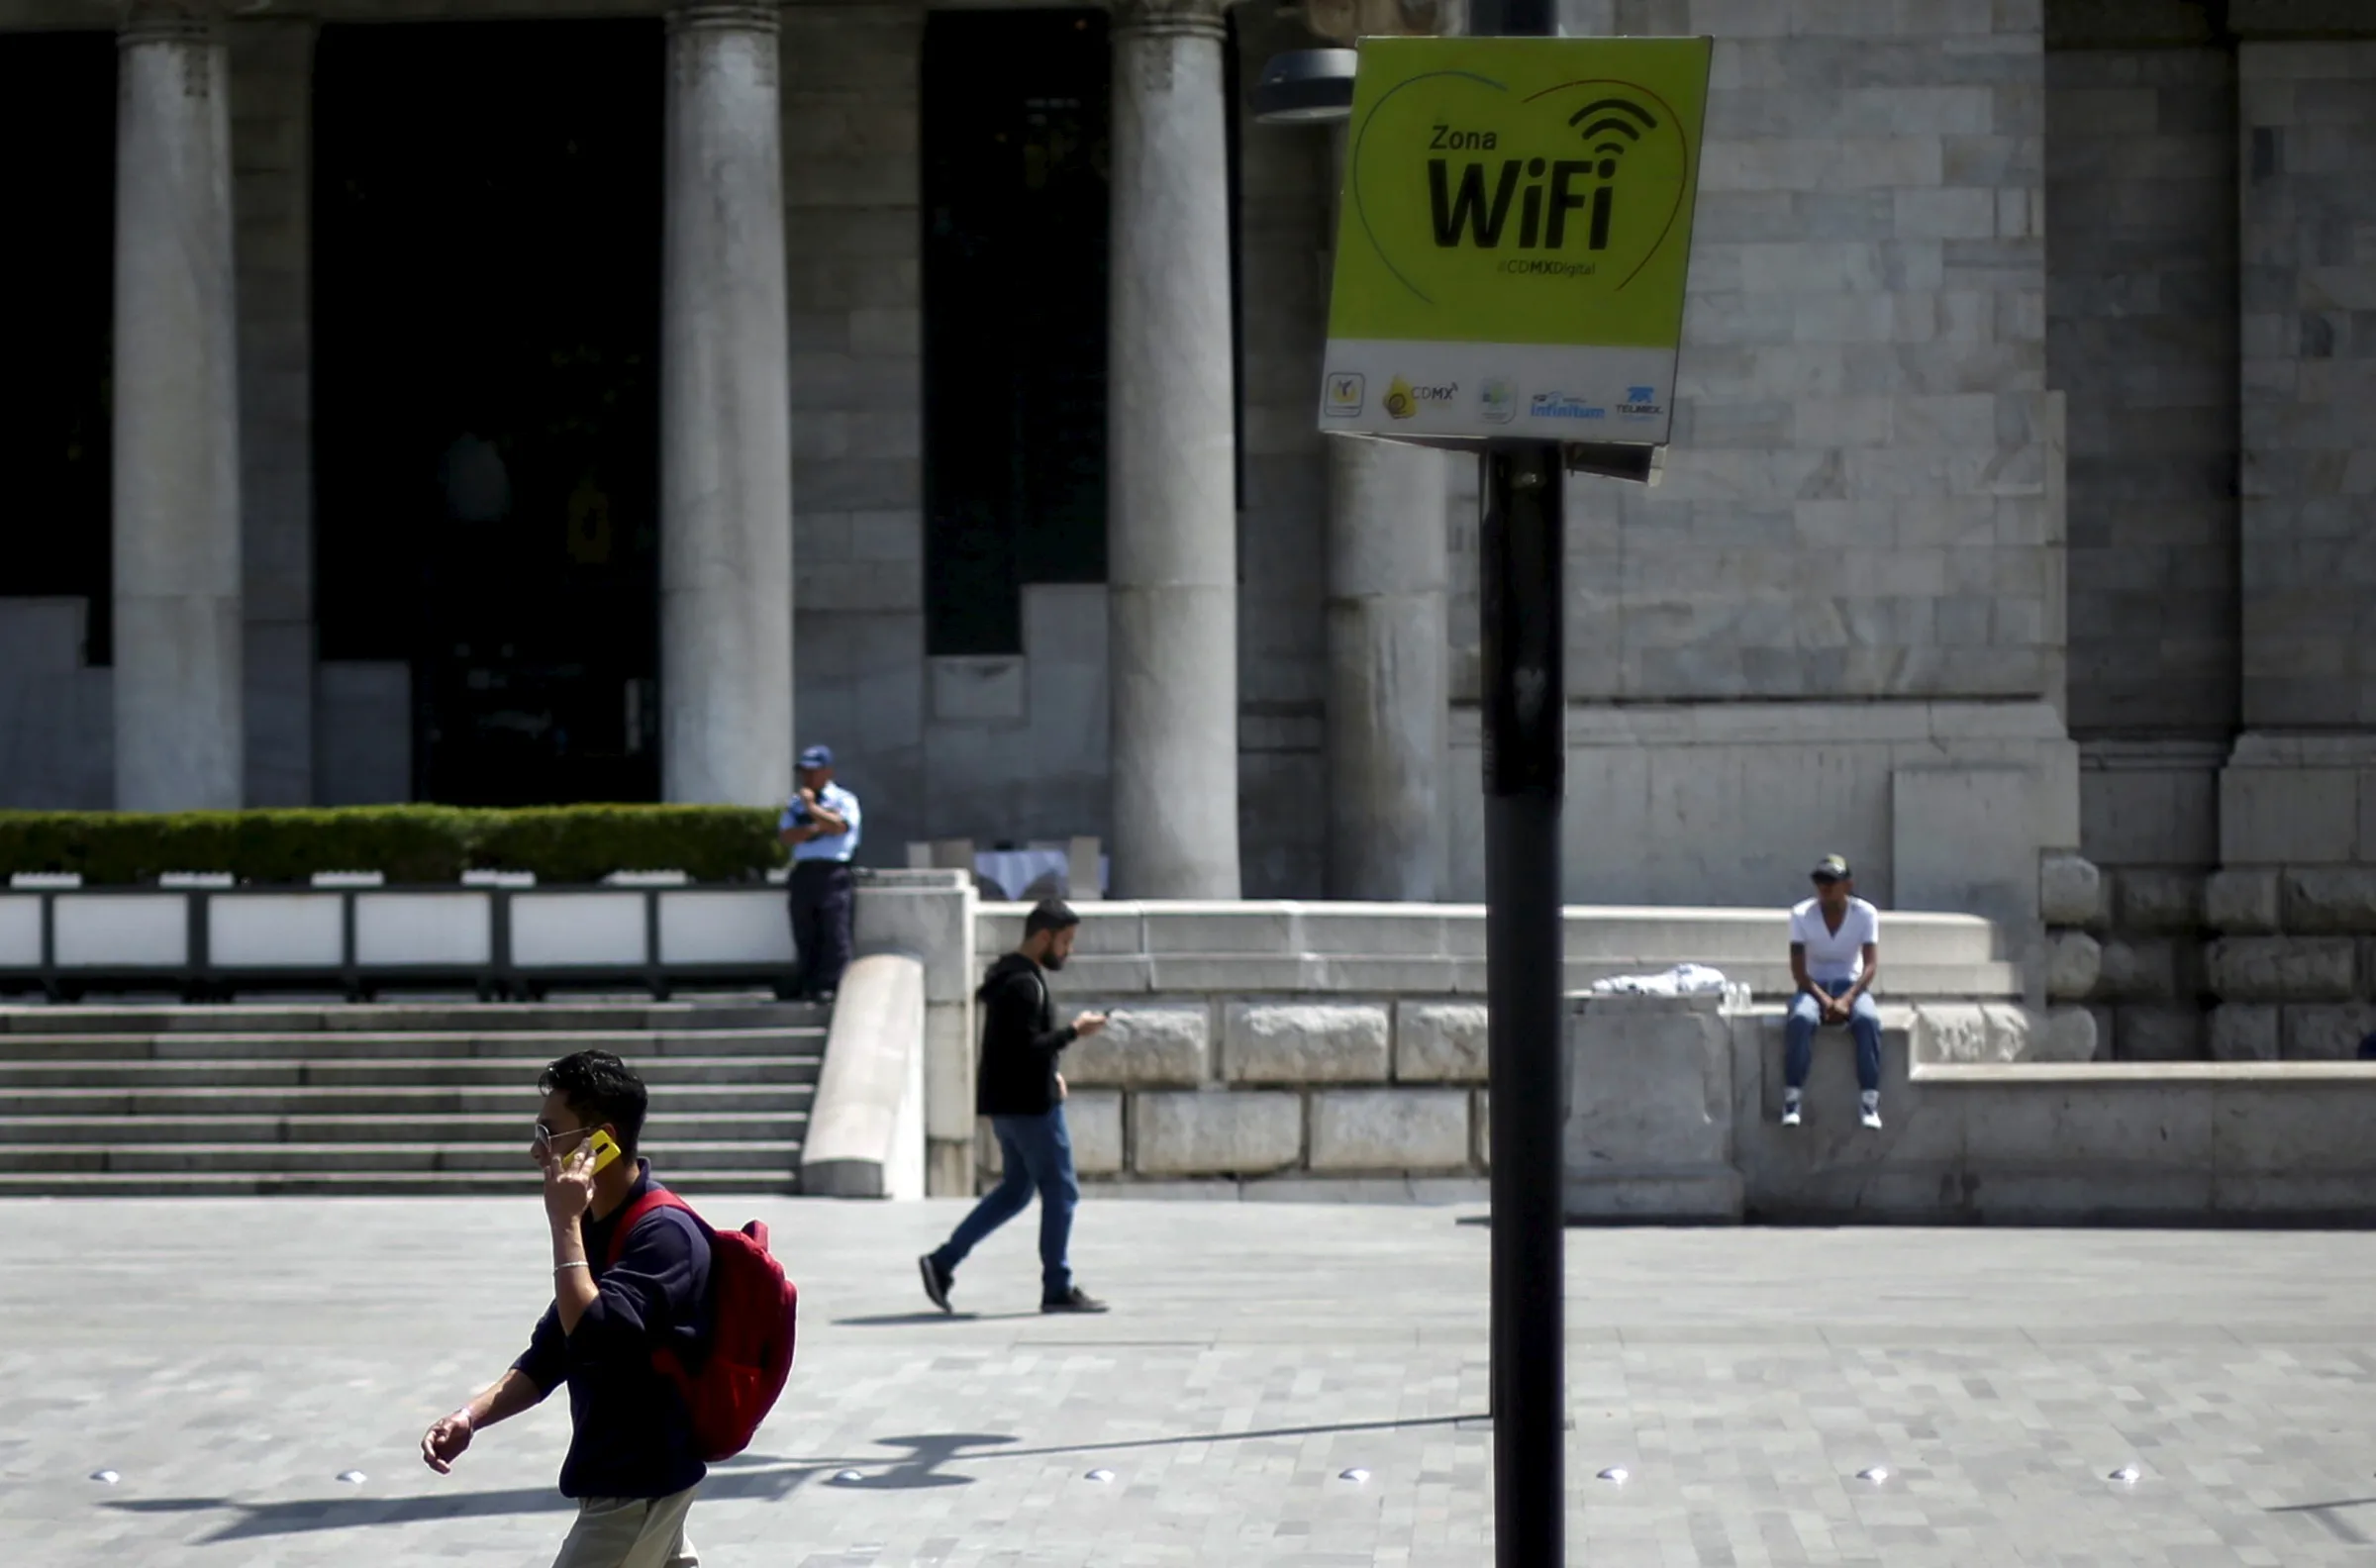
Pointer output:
x,y
1019,1040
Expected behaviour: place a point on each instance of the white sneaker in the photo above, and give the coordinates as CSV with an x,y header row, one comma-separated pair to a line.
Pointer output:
x,y
1871,1106
1790,1111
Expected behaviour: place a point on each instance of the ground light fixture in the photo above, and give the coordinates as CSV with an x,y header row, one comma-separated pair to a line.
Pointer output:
x,y
1306,87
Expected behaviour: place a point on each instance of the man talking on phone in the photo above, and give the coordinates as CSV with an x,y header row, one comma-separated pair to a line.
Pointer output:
x,y
633,1464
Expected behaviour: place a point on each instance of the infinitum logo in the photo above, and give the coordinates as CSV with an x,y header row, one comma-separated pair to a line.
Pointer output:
x,y
1559,406
1404,401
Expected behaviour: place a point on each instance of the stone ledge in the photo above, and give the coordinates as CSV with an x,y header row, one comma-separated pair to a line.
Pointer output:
x,y
2144,1075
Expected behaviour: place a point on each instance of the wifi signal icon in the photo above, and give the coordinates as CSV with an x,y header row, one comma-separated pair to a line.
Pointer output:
x,y
1618,117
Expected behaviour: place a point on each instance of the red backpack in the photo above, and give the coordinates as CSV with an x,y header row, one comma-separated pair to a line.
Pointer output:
x,y
751,1342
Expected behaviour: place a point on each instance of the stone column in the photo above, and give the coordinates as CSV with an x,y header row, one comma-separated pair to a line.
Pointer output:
x,y
179,742
1386,663
1171,518
726,421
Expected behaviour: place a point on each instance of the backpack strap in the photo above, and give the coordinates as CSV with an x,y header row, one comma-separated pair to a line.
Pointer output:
x,y
652,1201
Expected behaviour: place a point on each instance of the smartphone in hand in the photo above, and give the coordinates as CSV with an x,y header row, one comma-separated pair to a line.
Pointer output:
x,y
605,1148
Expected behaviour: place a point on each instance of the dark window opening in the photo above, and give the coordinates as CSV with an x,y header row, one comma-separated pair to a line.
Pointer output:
x,y
1015,194
487,212
57,189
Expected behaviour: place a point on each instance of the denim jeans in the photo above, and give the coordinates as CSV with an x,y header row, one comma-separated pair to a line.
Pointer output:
x,y
1798,1032
1036,1153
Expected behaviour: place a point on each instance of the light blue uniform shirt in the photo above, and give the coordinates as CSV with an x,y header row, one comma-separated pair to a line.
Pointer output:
x,y
835,846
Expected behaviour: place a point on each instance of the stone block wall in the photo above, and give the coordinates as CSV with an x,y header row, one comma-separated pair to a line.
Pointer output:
x,y
1839,622
1284,240
2141,338
2292,901
1968,1136
1243,1088
271,147
853,283
2309,124
2295,965
1860,502
58,714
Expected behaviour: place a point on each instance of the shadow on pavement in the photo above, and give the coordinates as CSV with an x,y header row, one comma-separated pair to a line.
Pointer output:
x,y
748,1478
902,1320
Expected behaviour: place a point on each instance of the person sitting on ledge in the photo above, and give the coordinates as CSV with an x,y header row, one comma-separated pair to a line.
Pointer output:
x,y
1834,956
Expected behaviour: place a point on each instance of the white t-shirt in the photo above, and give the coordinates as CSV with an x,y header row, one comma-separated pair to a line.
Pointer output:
x,y
1834,955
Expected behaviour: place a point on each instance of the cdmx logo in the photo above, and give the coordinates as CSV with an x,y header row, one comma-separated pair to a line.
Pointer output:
x,y
1403,400
1545,191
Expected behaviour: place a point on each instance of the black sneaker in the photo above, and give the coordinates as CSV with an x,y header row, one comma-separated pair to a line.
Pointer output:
x,y
1075,1299
936,1281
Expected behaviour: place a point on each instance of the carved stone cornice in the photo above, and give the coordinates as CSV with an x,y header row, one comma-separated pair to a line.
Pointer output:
x,y
725,16
1342,22
168,22
1204,19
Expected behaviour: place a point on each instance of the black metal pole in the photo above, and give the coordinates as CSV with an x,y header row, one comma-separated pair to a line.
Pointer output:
x,y
1521,553
1525,715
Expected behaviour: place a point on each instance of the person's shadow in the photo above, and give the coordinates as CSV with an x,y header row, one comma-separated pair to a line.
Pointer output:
x,y
748,1478
913,1319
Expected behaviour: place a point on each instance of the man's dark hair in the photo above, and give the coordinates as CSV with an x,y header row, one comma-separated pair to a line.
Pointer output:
x,y
1049,915
600,1088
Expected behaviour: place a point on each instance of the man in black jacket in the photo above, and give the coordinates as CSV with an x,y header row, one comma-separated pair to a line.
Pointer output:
x,y
1023,1095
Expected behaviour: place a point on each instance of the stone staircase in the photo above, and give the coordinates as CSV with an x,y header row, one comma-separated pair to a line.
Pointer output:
x,y
416,1097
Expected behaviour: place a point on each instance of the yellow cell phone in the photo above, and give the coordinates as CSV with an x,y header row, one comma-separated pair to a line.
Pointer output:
x,y
605,1148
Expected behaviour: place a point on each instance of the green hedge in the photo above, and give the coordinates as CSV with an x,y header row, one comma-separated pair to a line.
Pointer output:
x,y
409,843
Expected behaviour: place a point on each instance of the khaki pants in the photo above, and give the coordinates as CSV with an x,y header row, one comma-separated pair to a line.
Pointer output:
x,y
630,1533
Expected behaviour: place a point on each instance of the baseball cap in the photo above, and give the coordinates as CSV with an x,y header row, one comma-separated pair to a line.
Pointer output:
x,y
817,756
1833,869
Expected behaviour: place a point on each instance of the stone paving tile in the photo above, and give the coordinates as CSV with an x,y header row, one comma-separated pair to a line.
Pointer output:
x,y
230,1359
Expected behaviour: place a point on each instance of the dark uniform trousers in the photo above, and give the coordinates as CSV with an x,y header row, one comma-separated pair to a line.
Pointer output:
x,y
822,907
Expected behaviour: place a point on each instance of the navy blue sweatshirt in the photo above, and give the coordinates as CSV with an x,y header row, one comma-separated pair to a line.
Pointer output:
x,y
630,1436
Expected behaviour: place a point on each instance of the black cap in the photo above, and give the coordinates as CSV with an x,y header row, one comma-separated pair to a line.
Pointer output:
x,y
1833,869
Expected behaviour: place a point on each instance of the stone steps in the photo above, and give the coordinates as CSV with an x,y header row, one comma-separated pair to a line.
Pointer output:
x,y
635,1017
497,1129
508,1158
527,1045
505,1074
347,1184
403,1101
425,1098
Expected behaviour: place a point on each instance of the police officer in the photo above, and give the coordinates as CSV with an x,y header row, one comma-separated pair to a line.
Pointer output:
x,y
822,825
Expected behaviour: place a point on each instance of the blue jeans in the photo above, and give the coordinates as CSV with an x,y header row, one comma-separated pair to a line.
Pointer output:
x,y
1798,1033
1036,1153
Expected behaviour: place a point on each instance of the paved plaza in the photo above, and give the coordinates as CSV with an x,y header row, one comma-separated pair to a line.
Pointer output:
x,y
231,1360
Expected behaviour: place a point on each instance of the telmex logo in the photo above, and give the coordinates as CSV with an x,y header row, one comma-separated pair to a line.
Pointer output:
x,y
1403,400
1641,403
1545,190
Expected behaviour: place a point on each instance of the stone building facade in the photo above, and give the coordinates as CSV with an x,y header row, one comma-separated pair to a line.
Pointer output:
x,y
2023,495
